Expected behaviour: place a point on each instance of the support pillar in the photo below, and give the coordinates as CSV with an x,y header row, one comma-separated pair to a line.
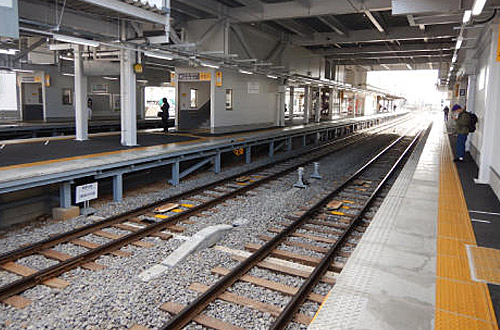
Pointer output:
x,y
289,145
271,149
317,111
330,103
65,195
175,173
291,104
471,93
307,104
248,155
118,188
127,94
81,112
217,163
280,120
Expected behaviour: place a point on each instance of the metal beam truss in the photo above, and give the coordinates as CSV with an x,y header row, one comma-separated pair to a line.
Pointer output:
x,y
204,155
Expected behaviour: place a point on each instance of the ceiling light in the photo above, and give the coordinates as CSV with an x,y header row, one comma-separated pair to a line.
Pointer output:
x,y
160,56
454,59
478,7
8,51
23,71
74,40
110,78
272,77
68,74
409,67
245,72
385,66
374,21
208,65
467,16
460,40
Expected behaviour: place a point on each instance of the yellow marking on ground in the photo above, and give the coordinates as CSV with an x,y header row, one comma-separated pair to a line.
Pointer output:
x,y
107,153
188,205
241,183
346,207
337,213
161,216
486,264
360,189
348,202
177,210
461,302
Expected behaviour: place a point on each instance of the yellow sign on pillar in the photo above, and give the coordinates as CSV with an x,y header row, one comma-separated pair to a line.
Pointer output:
x,y
218,79
498,44
205,76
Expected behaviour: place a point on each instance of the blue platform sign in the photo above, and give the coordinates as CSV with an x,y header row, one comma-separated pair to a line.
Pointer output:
x,y
9,19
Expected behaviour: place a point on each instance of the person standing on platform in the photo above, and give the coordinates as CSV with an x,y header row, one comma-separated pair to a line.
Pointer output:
x,y
89,108
164,106
446,111
462,128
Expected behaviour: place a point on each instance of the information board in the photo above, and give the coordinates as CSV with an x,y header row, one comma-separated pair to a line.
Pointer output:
x,y
86,192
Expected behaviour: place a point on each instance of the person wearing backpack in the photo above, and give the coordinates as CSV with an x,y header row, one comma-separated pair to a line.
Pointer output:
x,y
463,121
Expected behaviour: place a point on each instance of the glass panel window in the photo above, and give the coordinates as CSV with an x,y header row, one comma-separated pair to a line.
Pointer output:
x,y
229,99
194,98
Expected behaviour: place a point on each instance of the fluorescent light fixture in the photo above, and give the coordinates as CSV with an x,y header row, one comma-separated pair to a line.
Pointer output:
x,y
246,72
272,77
478,7
460,40
142,81
23,71
160,56
68,74
110,78
467,16
8,51
454,59
208,65
385,66
374,21
308,82
451,68
409,67
66,58
74,40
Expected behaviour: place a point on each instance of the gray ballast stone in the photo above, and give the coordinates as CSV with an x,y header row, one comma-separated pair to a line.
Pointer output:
x,y
204,238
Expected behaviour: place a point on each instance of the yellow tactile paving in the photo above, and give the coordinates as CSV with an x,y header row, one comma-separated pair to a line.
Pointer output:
x,y
447,320
461,302
454,267
486,264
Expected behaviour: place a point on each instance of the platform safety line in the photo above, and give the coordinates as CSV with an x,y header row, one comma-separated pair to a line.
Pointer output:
x,y
451,194
107,153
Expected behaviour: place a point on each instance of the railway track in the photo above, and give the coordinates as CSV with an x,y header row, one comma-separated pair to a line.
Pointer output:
x,y
143,222
338,220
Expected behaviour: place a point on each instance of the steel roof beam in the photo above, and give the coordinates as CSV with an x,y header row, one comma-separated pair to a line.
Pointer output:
x,y
359,36
384,49
212,7
295,9
296,27
333,24
418,60
129,9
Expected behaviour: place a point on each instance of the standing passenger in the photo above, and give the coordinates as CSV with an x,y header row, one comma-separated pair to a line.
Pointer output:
x,y
463,123
446,111
164,113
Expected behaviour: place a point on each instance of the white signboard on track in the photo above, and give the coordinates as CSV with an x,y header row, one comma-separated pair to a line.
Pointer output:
x,y
86,192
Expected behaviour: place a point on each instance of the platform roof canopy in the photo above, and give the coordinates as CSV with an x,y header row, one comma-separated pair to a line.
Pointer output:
x,y
376,34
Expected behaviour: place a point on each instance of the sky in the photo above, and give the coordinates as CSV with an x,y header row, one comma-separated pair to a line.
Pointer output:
x,y
416,86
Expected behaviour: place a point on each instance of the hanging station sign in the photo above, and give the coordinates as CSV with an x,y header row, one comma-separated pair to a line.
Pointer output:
x,y
194,76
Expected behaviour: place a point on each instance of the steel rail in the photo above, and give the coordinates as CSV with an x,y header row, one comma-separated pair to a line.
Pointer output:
x,y
201,302
30,281
286,316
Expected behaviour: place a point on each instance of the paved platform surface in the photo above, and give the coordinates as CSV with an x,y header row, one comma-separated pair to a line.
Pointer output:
x,y
414,268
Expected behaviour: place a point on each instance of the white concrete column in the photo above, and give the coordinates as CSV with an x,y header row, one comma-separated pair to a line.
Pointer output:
x,y
317,111
290,105
307,103
471,97
330,103
280,120
488,123
81,112
128,99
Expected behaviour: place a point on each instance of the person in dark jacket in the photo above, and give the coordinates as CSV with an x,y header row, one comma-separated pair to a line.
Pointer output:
x,y
164,113
462,128
446,111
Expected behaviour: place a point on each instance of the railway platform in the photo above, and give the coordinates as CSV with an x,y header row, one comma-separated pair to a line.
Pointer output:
x,y
430,256
61,160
